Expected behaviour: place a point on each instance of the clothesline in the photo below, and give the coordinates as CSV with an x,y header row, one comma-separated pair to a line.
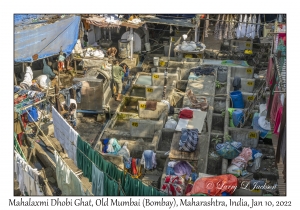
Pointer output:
x,y
94,163
234,21
108,161
53,146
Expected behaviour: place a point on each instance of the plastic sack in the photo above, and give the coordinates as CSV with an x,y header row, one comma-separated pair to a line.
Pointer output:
x,y
234,170
171,124
229,150
215,186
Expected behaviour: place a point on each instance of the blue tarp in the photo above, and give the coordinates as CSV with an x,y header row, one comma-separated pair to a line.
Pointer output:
x,y
25,18
46,40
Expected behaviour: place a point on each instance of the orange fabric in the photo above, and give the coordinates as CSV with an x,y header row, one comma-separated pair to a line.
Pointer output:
x,y
214,186
60,65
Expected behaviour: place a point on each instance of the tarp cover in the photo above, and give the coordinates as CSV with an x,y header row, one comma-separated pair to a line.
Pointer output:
x,y
46,40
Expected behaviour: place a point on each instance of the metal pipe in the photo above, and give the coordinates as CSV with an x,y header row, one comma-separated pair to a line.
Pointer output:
x,y
196,32
109,33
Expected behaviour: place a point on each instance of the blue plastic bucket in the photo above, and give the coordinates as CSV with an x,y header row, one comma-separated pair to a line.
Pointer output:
x,y
34,115
237,99
237,116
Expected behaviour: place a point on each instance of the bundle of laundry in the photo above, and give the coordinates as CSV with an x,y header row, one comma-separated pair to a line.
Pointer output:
x,y
111,146
183,168
43,81
188,140
186,114
149,159
171,124
239,163
229,150
243,158
170,168
173,185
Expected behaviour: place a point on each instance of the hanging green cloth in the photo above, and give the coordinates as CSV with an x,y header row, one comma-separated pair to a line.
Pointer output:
x,y
108,168
110,187
131,187
83,152
18,148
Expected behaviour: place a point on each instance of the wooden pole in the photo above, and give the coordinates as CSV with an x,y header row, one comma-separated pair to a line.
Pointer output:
x,y
57,105
15,78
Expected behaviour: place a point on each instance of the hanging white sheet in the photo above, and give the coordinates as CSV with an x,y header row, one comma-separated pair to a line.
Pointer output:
x,y
65,134
244,27
249,27
27,177
67,181
239,28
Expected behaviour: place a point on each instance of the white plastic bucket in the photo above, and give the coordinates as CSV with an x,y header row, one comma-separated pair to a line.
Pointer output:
x,y
147,46
155,61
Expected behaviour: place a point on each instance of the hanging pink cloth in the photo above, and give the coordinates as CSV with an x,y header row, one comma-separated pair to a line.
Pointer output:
x,y
274,108
283,37
270,73
278,119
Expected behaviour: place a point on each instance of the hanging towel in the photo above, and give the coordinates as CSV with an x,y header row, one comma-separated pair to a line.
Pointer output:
x,y
243,27
278,120
151,105
27,177
258,27
67,181
65,134
97,181
249,27
226,27
253,27
236,83
217,27
230,28
221,28
239,28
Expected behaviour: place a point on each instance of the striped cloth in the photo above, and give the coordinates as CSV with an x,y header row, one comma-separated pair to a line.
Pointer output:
x,y
188,140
